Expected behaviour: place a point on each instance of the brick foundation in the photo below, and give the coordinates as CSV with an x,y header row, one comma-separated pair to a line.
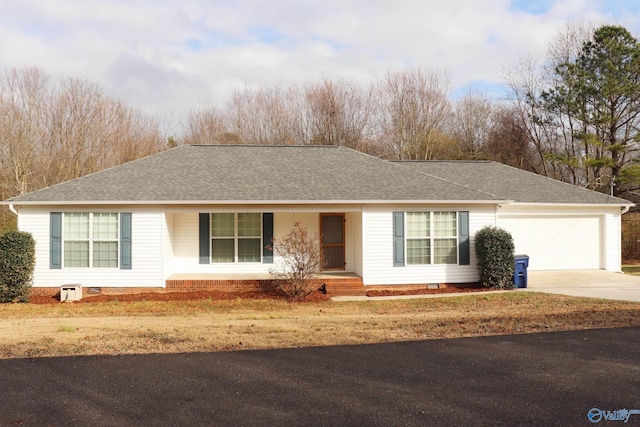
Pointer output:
x,y
54,291
332,286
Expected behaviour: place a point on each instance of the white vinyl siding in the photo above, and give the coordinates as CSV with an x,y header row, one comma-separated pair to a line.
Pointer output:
x,y
613,242
377,229
184,241
147,251
165,246
354,242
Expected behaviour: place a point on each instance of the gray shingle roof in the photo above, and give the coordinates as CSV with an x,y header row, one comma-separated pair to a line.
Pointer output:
x,y
244,173
510,183
223,173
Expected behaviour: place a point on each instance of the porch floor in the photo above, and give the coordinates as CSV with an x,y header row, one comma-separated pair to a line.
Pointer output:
x,y
335,283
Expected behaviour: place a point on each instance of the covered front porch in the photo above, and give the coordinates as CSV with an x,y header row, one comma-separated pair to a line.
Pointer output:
x,y
333,283
235,247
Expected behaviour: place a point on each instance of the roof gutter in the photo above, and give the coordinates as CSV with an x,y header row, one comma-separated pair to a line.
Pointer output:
x,y
576,205
253,202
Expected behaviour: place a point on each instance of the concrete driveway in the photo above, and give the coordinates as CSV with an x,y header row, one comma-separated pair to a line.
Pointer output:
x,y
586,283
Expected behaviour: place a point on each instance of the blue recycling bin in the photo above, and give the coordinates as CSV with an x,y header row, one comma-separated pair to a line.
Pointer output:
x,y
520,273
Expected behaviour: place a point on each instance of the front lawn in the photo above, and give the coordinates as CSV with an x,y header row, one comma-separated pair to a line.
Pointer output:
x,y
116,327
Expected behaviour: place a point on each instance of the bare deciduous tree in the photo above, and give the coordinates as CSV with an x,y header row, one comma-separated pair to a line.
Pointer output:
x,y
265,116
50,134
412,107
209,125
299,260
507,140
473,121
411,104
525,79
338,113
24,103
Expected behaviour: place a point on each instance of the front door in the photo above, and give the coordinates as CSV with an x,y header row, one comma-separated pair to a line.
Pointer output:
x,y
332,241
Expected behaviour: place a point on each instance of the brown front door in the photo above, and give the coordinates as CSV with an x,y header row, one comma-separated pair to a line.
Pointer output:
x,y
332,241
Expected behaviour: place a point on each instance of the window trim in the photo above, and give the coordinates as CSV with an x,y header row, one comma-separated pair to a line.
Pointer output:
x,y
95,240
432,238
204,240
91,240
236,238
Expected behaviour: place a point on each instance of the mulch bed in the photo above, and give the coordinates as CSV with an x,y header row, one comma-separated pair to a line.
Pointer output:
x,y
447,290
181,296
316,296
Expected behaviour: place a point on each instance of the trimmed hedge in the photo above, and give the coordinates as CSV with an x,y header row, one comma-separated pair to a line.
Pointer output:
x,y
496,262
17,262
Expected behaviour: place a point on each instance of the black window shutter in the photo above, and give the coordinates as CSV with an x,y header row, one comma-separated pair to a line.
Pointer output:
x,y
205,238
55,240
464,254
398,239
125,241
267,238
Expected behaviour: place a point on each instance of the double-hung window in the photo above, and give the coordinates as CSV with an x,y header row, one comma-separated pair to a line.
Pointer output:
x,y
445,238
90,239
236,237
76,240
105,240
431,238
418,238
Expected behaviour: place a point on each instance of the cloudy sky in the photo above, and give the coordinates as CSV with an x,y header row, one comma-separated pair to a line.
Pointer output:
x,y
166,56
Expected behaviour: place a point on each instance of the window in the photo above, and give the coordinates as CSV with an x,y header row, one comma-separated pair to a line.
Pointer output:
x,y
418,238
431,238
105,240
236,237
445,238
90,239
76,240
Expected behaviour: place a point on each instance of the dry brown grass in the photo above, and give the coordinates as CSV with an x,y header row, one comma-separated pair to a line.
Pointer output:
x,y
207,325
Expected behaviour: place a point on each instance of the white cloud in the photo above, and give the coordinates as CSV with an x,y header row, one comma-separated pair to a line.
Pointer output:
x,y
168,56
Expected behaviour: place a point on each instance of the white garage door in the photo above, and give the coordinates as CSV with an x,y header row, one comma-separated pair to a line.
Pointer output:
x,y
557,242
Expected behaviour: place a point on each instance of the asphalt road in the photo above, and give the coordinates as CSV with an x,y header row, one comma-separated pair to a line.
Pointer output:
x,y
535,379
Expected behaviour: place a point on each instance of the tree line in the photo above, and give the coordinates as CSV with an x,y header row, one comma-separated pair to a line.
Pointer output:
x,y
405,115
580,107
572,115
52,132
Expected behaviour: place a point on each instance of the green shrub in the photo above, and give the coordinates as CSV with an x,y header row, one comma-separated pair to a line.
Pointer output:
x,y
494,249
17,261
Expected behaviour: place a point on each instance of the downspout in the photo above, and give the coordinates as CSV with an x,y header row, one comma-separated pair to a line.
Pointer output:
x,y
625,209
13,210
